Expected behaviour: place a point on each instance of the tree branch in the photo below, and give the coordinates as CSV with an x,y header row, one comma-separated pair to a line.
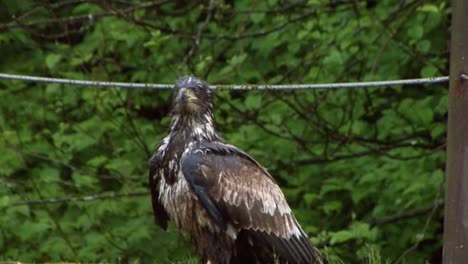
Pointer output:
x,y
90,198
380,151
197,37
404,215
72,19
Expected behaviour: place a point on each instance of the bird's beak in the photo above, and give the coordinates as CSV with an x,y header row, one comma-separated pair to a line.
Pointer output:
x,y
186,95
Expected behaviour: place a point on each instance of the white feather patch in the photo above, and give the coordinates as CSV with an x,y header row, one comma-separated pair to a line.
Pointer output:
x,y
231,232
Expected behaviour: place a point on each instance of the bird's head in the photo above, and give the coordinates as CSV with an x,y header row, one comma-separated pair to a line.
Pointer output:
x,y
191,96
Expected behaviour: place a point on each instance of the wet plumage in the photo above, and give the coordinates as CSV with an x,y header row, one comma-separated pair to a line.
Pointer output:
x,y
216,194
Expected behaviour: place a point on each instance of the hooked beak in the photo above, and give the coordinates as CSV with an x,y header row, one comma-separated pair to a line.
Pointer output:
x,y
186,95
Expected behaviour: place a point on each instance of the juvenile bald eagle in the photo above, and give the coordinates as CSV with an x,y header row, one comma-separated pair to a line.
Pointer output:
x,y
218,195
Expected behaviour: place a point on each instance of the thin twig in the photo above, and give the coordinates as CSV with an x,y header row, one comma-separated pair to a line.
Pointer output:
x,y
420,236
197,38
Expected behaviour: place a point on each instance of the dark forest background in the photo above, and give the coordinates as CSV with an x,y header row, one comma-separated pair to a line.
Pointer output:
x,y
362,168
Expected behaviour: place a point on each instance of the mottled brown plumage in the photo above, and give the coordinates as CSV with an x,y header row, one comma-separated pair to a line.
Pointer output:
x,y
217,195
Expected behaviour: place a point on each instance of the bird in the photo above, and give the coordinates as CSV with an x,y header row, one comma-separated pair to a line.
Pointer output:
x,y
218,196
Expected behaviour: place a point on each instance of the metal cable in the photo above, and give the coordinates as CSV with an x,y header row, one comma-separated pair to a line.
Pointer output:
x,y
349,85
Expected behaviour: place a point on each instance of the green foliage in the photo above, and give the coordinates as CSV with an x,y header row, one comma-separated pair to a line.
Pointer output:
x,y
361,168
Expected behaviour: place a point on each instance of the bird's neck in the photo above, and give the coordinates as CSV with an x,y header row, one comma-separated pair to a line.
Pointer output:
x,y
193,127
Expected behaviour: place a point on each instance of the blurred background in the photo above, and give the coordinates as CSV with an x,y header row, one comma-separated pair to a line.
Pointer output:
x,y
362,168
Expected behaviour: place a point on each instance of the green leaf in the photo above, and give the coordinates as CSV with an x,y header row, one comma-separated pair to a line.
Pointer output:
x,y
430,8
438,130
424,46
52,60
341,236
416,32
429,71
4,201
237,59
257,17
253,101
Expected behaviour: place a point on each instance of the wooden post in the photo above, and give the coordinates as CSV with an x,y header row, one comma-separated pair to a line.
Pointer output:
x,y
456,176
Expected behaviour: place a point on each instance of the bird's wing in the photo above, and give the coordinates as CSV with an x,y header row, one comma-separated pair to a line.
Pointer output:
x,y
234,189
160,214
